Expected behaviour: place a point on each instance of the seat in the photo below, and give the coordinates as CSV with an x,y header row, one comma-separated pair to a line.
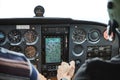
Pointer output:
x,y
98,69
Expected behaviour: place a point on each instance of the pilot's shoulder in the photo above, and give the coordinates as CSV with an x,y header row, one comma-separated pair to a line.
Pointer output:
x,y
5,53
17,65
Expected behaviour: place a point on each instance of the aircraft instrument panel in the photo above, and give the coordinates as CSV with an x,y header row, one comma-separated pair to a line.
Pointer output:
x,y
48,41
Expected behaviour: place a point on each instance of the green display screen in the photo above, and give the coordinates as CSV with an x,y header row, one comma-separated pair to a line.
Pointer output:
x,y
53,50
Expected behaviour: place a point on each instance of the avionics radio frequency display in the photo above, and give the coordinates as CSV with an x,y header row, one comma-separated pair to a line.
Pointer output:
x,y
53,50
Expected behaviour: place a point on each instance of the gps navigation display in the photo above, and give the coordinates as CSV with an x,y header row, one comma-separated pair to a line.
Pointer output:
x,y
53,50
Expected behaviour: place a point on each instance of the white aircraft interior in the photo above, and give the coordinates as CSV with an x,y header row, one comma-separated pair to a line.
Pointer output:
x,y
46,42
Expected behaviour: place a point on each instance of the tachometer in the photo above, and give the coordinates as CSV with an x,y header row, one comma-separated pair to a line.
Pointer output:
x,y
78,35
15,36
30,36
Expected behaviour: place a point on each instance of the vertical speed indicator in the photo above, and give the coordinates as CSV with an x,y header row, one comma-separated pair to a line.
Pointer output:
x,y
30,52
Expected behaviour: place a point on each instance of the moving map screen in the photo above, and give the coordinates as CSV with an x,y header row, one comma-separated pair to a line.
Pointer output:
x,y
53,50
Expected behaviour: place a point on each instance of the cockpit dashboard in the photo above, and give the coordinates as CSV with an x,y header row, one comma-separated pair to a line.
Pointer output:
x,y
46,42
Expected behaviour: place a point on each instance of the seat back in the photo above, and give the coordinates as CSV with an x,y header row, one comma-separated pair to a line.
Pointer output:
x,y
97,69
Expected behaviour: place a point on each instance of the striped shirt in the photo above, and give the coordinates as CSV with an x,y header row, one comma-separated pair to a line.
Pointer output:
x,y
15,66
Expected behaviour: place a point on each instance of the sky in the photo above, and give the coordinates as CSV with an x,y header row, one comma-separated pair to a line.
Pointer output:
x,y
90,10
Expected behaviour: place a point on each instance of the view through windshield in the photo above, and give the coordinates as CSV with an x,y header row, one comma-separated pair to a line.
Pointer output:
x,y
92,10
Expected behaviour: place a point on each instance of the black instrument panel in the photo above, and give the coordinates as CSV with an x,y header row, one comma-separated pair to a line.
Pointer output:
x,y
48,41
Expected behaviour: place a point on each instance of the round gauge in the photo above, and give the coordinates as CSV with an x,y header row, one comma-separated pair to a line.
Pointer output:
x,y
30,36
15,36
30,51
2,37
15,48
78,50
94,35
78,35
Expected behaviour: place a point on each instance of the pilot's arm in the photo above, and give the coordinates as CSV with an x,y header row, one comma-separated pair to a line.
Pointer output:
x,y
15,66
41,77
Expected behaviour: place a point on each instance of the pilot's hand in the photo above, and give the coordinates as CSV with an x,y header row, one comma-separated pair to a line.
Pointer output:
x,y
66,70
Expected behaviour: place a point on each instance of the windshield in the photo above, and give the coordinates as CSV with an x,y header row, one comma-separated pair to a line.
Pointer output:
x,y
91,10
